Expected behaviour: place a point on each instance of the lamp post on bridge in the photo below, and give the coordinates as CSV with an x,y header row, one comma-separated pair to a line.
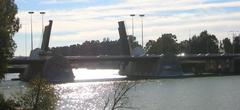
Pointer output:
x,y
142,15
42,13
132,15
31,30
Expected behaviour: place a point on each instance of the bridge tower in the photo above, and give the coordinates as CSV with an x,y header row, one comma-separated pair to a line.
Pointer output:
x,y
125,44
46,36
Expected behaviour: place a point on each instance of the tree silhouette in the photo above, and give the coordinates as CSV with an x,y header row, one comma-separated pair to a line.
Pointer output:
x,y
184,46
164,45
227,46
236,44
90,48
118,99
39,95
9,25
204,43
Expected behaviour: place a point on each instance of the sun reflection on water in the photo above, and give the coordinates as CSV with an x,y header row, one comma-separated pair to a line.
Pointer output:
x,y
84,95
88,74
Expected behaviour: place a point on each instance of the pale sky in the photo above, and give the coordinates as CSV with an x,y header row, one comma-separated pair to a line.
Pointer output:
x,y
75,21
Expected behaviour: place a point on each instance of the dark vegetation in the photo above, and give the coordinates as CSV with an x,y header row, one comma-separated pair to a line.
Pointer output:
x,y
118,99
94,47
9,25
7,104
166,44
40,95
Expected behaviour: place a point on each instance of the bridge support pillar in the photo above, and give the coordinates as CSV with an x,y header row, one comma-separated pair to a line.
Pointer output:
x,y
55,69
32,70
164,67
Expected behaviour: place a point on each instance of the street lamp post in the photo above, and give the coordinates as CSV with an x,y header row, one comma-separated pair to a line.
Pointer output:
x,y
26,41
142,15
31,30
132,15
42,13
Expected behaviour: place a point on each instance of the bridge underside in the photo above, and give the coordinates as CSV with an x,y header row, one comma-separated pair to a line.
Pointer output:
x,y
152,65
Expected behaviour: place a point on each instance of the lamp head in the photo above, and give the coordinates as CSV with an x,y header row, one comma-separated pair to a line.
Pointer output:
x,y
42,12
31,12
132,14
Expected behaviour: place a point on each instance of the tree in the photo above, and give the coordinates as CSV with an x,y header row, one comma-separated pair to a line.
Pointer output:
x,y
118,99
149,45
133,42
227,46
184,46
90,48
8,104
40,95
236,44
167,44
9,25
204,43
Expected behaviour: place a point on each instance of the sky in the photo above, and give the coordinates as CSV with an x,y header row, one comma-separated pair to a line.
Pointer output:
x,y
75,21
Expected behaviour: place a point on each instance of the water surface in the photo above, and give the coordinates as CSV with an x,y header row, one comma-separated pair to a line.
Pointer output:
x,y
206,93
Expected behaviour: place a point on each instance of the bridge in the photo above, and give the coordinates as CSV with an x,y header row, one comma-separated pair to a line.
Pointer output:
x,y
57,68
27,60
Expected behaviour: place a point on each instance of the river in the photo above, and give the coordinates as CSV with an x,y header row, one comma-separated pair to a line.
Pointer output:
x,y
203,93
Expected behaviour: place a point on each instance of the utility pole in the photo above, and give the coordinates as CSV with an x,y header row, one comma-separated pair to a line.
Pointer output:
x,y
31,30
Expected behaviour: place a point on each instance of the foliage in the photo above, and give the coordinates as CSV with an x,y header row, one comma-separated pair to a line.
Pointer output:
x,y
7,104
39,95
184,46
227,46
149,45
164,45
133,42
236,44
118,99
9,25
94,48
89,48
204,43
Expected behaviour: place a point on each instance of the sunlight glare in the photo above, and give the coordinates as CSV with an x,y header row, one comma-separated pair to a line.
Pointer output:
x,y
87,74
